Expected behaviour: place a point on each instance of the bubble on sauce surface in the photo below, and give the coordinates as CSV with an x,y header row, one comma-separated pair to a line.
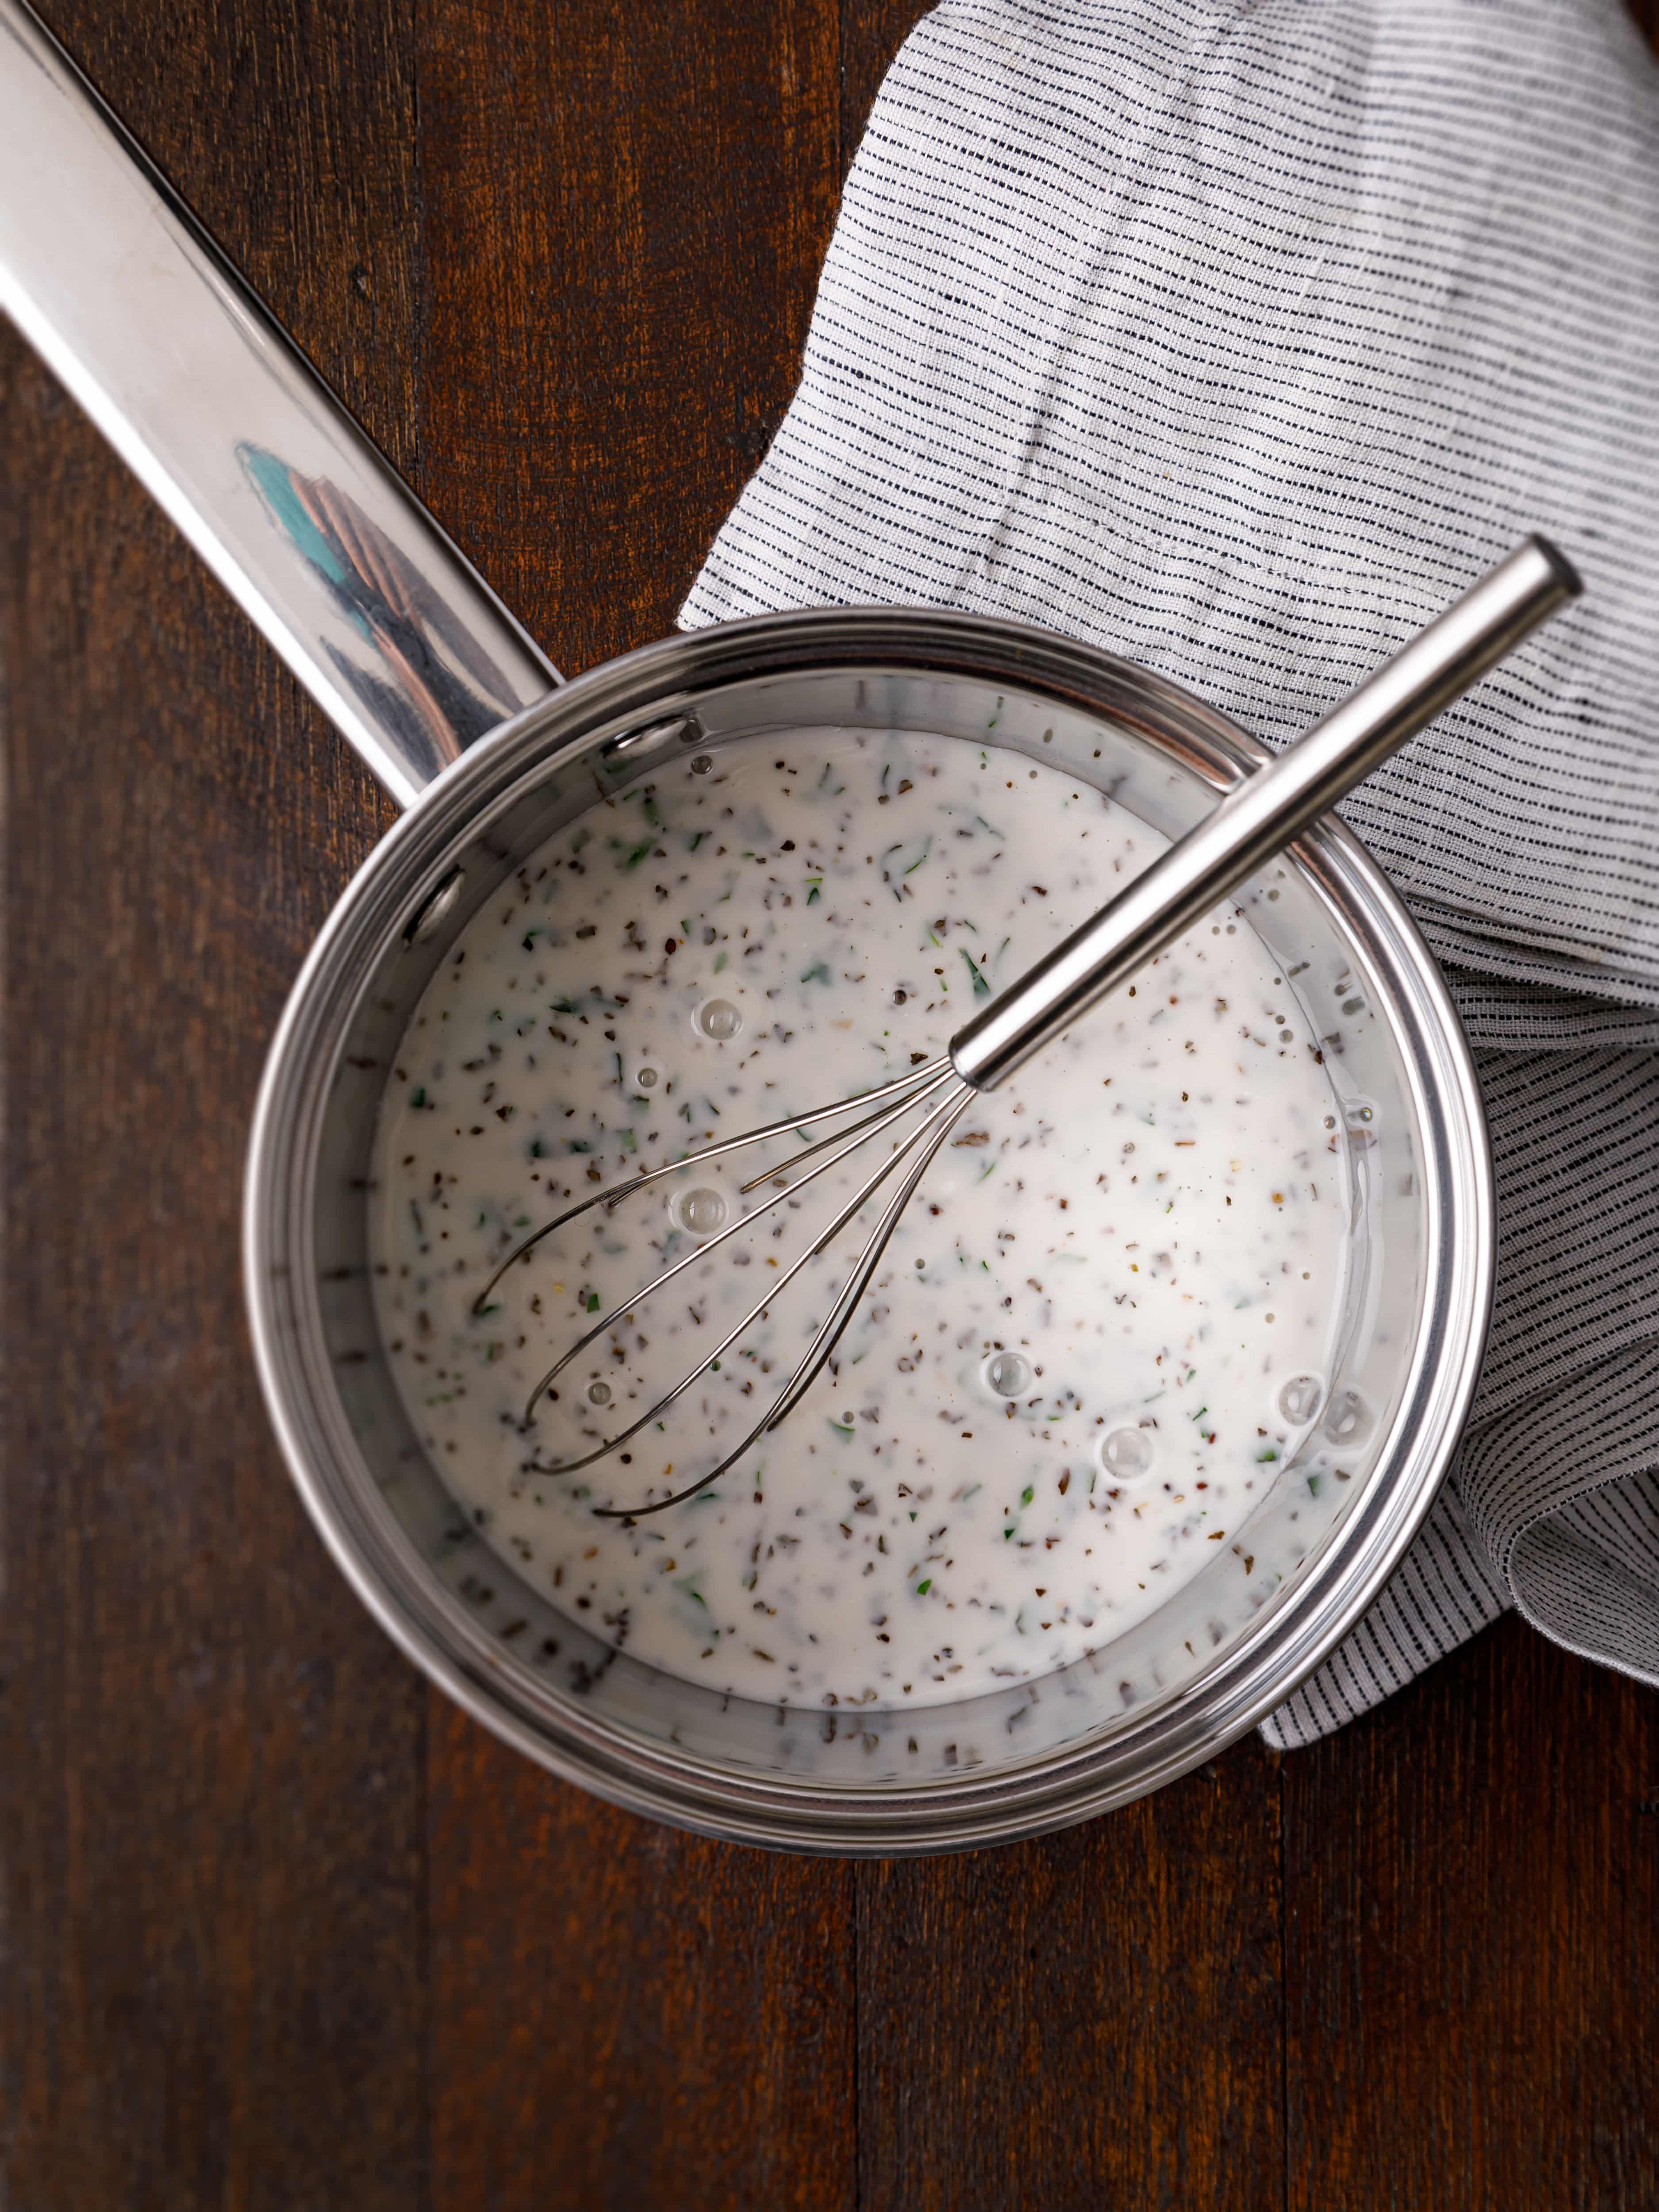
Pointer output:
x,y
1299,1399
646,1077
1001,1218
1126,1453
598,1394
1007,1374
702,1210
717,1018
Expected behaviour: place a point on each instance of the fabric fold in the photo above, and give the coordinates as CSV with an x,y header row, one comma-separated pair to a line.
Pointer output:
x,y
1238,340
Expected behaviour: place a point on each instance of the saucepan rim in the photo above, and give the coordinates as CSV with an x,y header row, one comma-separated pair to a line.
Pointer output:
x,y
1071,1783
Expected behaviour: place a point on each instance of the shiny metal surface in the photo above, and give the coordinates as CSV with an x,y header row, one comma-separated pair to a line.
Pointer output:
x,y
397,638
1251,825
1147,1707
209,401
933,1092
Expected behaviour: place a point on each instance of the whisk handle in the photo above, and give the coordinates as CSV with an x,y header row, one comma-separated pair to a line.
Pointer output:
x,y
1266,811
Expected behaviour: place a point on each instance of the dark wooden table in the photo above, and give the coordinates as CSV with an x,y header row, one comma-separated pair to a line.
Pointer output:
x,y
284,1929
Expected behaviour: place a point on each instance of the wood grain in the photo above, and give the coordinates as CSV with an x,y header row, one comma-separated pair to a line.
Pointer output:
x,y
622,232
624,210
1472,1941
1091,2018
214,1987
626,2016
284,1930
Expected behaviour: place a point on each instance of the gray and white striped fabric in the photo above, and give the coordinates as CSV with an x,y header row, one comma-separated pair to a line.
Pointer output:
x,y
1239,338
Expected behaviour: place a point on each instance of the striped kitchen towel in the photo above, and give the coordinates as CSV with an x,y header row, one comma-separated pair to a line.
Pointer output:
x,y
1239,338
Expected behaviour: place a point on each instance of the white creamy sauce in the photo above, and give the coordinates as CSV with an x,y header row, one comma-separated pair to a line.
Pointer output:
x,y
1103,1322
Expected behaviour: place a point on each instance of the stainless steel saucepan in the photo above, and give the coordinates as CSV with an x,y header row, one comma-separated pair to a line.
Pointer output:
x,y
468,726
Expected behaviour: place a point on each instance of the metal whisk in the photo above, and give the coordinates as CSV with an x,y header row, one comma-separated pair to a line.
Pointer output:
x,y
915,1111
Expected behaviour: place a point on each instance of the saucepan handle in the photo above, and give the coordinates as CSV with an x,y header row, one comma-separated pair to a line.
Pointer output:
x,y
205,395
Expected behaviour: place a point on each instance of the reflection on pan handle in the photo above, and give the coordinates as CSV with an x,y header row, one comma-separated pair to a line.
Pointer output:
x,y
229,428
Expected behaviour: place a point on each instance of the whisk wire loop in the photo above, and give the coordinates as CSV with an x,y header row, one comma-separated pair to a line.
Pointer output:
x,y
930,1134
700,1251
1258,817
615,1193
932,1088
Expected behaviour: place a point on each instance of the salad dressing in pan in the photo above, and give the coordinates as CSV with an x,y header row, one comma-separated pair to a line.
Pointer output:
x,y
1105,1317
